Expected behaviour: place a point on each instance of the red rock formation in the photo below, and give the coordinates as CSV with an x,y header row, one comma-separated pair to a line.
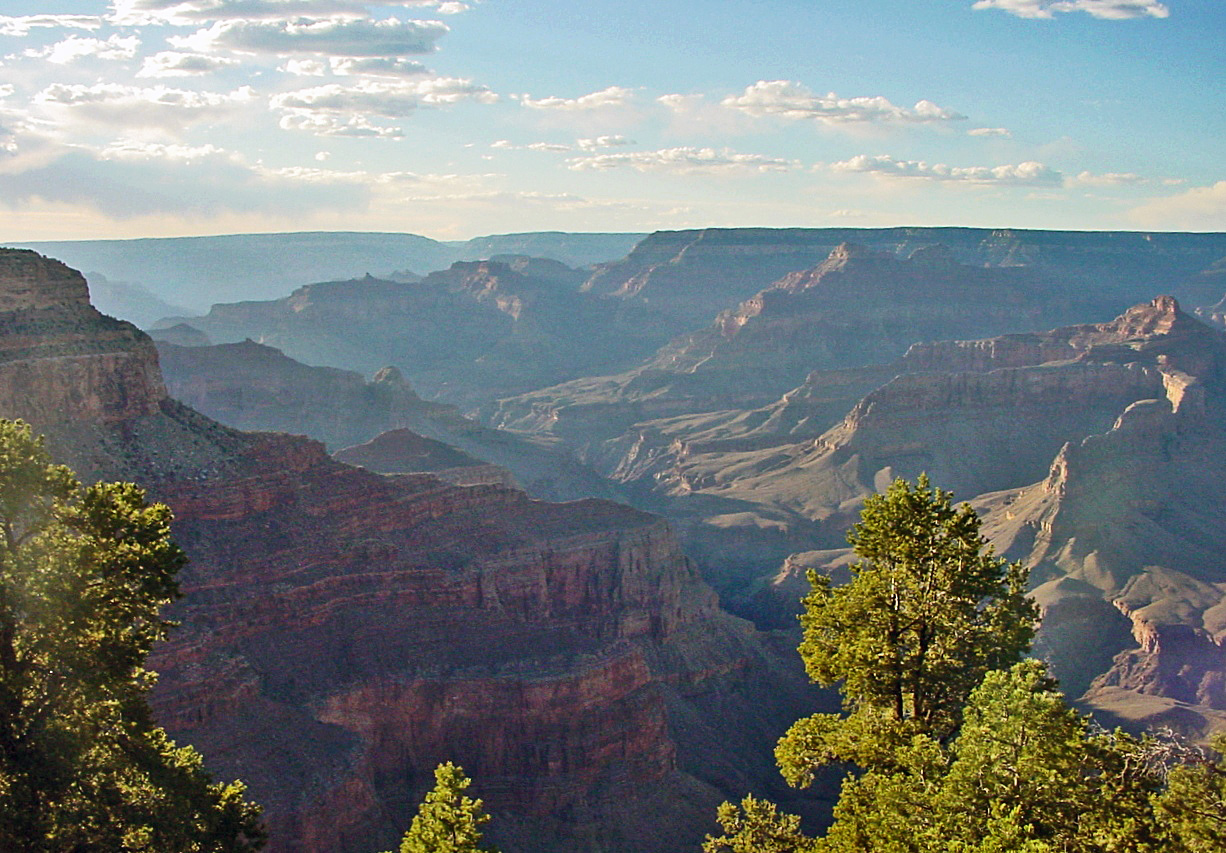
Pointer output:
x,y
341,632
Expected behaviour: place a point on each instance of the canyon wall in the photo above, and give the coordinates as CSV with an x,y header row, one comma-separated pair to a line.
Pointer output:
x,y
341,632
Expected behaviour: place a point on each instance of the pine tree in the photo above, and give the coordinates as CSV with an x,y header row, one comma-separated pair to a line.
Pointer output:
x,y
84,573
448,821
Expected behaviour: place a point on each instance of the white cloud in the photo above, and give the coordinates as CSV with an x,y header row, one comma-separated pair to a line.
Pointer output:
x,y
684,160
1106,179
75,47
1197,209
1029,173
170,63
134,150
1114,10
356,127
305,67
507,145
127,106
392,100
794,101
377,66
609,141
187,12
22,24
990,131
613,96
329,37
6,90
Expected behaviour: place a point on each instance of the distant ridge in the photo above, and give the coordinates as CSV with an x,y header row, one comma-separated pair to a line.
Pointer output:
x,y
196,272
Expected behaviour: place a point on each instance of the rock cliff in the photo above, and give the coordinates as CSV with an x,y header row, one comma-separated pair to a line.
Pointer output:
x,y
255,387
341,631
470,334
855,308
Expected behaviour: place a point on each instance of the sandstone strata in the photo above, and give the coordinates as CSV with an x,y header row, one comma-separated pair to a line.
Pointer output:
x,y
341,631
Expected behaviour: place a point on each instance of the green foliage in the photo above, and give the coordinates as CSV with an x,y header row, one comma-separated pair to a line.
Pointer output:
x,y
1193,806
928,612
1025,773
84,572
757,826
448,821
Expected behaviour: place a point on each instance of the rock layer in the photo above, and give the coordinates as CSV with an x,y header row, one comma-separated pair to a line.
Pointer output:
x,y
341,632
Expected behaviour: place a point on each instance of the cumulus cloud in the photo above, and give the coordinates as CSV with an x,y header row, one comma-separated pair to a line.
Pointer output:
x,y
392,100
599,142
1106,179
337,36
1029,173
305,67
20,25
75,47
335,110
1197,209
1112,10
377,66
684,160
794,101
613,96
355,127
144,151
171,63
186,12
990,131
508,145
128,106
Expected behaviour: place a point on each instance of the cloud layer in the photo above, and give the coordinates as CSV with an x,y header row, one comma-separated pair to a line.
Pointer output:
x,y
794,101
1112,10
683,160
1029,173
350,37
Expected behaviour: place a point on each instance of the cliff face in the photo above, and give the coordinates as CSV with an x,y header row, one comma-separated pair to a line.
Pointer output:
x,y
60,360
1122,526
472,333
409,622
256,387
342,632
857,307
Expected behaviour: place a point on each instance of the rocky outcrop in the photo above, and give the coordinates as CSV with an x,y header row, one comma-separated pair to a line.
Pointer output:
x,y
401,451
62,362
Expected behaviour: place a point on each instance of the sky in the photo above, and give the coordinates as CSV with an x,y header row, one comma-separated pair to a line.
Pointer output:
x,y
457,118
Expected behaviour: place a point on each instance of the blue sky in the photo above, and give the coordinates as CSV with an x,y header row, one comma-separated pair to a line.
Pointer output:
x,y
452,119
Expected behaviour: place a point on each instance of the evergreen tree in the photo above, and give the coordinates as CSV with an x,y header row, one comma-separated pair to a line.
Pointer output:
x,y
1024,773
928,611
84,572
1192,809
757,826
448,821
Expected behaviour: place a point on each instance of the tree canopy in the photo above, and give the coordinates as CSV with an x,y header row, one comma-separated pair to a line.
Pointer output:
x,y
84,574
448,821
958,745
928,612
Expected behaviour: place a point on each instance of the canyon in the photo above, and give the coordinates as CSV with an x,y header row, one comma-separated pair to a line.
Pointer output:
x,y
391,586
342,632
